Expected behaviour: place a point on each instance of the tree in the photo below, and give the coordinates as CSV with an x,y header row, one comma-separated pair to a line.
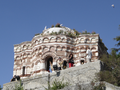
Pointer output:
x,y
111,72
0,87
118,40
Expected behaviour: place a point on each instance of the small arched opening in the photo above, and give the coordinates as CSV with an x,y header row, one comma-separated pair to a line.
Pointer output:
x,y
48,59
82,62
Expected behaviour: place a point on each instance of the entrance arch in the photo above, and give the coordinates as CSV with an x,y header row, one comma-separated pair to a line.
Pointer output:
x,y
48,59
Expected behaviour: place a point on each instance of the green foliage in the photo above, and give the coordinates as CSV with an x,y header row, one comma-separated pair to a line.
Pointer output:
x,y
60,32
0,87
76,32
19,87
111,71
54,33
118,42
52,26
70,34
107,76
102,44
57,25
99,87
58,85
37,34
85,32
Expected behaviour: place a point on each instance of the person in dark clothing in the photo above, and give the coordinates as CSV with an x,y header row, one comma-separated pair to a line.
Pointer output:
x,y
55,67
17,77
71,61
13,79
64,64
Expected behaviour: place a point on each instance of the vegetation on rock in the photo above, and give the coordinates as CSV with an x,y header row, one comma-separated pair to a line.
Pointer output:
x,y
57,25
118,40
111,72
58,85
37,34
101,86
19,87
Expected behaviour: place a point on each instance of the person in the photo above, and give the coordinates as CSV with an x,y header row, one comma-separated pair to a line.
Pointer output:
x,y
71,61
17,77
13,79
64,64
88,55
55,67
59,63
51,67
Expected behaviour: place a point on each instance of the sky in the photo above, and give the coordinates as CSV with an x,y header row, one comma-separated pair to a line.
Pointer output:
x,y
20,20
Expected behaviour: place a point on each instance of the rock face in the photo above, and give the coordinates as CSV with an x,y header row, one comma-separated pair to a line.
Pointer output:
x,y
82,74
79,76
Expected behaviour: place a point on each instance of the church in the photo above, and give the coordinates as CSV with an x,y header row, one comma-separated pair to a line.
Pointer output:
x,y
32,58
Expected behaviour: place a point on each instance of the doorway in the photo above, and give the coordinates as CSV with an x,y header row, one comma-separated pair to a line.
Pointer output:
x,y
48,59
82,61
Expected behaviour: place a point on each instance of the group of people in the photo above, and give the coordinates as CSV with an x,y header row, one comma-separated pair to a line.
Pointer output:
x,y
15,78
58,65
62,64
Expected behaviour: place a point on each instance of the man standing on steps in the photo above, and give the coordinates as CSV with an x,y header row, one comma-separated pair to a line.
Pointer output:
x,y
88,55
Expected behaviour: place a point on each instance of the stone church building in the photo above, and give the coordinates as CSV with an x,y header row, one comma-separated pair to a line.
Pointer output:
x,y
32,58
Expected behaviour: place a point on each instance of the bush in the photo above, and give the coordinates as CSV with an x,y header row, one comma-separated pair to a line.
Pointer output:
x,y
19,87
52,26
0,87
101,86
85,32
57,25
58,85
107,76
111,72
37,34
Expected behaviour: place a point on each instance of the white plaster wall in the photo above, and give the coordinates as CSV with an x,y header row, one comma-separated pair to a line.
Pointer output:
x,y
96,54
42,66
28,70
38,66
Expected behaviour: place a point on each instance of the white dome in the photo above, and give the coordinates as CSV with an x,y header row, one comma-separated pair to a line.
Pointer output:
x,y
57,29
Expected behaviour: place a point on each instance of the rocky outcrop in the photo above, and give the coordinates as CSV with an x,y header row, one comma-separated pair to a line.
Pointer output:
x,y
82,74
79,76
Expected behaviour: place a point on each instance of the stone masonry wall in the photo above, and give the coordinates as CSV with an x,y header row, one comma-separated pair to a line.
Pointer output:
x,y
79,74
75,76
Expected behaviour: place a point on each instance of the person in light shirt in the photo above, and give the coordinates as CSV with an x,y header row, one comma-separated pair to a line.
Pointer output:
x,y
59,63
88,55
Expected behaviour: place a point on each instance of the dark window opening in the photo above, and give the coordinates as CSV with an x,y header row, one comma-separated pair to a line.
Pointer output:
x,y
23,70
82,61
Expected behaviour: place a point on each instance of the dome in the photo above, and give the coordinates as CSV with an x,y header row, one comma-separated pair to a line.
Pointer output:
x,y
57,30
